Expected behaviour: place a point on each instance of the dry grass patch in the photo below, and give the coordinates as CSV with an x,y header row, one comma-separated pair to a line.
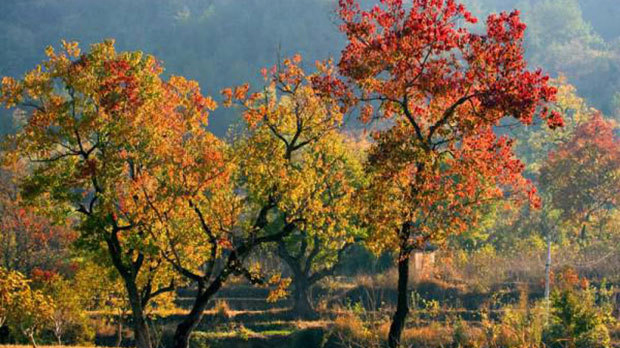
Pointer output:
x,y
431,336
222,309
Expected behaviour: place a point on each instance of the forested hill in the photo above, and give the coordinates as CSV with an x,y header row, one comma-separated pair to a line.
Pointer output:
x,y
225,42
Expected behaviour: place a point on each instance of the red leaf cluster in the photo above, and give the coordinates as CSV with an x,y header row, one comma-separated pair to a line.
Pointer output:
x,y
447,87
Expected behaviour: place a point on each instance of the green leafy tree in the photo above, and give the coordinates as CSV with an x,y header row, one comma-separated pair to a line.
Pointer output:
x,y
576,322
69,320
298,156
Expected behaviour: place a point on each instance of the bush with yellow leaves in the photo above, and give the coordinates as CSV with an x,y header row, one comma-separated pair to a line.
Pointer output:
x,y
24,310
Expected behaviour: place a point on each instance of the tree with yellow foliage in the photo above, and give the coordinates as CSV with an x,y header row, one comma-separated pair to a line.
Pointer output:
x,y
23,309
293,174
110,143
296,153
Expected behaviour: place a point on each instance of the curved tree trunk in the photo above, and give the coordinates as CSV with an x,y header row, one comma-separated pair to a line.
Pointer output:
x,y
402,306
187,326
233,265
33,341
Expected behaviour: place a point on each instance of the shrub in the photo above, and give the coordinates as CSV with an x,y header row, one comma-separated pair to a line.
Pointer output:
x,y
518,327
466,336
350,327
576,321
69,321
358,327
24,310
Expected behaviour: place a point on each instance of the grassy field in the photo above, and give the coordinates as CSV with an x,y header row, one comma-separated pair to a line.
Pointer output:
x,y
353,311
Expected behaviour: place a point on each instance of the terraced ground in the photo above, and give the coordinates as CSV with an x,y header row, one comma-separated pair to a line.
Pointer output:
x,y
240,316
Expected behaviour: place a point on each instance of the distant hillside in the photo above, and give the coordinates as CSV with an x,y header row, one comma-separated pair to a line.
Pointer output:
x,y
226,42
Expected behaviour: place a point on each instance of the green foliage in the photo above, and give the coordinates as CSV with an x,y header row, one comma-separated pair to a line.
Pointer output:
x,y
69,320
561,40
556,23
522,327
576,321
419,305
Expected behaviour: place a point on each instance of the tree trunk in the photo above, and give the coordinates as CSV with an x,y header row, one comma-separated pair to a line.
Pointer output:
x,y
140,327
59,339
548,270
233,264
302,306
618,306
58,330
32,340
119,331
187,326
402,306
142,332
129,274
548,278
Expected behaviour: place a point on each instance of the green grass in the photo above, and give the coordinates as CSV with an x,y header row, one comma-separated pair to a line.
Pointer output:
x,y
243,333
271,333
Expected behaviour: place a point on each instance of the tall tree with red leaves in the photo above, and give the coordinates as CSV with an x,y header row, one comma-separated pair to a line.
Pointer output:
x,y
442,89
